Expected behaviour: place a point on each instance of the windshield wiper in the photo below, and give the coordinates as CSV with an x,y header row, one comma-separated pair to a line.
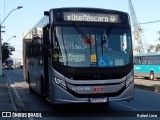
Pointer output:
x,y
87,39
84,36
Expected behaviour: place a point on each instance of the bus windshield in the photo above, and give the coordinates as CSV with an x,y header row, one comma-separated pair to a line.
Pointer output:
x,y
91,46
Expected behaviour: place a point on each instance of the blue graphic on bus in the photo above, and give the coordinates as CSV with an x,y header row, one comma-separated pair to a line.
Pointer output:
x,y
102,62
111,63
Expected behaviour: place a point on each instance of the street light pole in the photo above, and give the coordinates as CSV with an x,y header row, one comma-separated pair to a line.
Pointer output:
x,y
19,7
10,38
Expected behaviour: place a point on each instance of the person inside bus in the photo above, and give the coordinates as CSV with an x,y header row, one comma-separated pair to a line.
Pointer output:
x,y
106,44
113,45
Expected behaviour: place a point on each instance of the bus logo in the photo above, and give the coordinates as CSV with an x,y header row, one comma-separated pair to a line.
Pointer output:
x,y
98,89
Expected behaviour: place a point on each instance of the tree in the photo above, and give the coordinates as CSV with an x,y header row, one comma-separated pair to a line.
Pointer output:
x,y
158,48
159,36
6,51
150,48
158,45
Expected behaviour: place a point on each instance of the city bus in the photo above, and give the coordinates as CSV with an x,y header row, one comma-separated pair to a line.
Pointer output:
x,y
80,55
147,65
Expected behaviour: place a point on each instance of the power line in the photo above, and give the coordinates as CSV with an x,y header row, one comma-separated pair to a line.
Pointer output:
x,y
150,22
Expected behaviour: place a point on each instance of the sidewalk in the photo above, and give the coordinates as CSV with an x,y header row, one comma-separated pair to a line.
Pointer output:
x,y
147,83
150,85
6,102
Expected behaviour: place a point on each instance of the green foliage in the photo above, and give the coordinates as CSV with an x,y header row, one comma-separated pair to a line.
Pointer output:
x,y
6,51
159,36
158,48
150,48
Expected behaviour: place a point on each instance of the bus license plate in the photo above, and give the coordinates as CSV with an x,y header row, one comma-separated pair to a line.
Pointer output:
x,y
98,100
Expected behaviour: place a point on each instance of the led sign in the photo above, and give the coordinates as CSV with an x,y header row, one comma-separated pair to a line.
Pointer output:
x,y
90,17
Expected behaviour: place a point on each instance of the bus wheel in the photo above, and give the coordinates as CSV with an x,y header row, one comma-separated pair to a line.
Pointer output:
x,y
30,88
151,76
42,88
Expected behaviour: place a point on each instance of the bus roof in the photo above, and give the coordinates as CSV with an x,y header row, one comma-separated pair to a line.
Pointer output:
x,y
149,54
80,9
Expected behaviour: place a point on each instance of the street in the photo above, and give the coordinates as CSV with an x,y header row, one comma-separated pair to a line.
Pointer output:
x,y
26,101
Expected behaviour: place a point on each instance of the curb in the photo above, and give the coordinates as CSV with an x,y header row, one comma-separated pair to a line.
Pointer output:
x,y
148,84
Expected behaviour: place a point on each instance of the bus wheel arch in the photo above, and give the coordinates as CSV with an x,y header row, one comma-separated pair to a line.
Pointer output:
x,y
29,84
42,87
151,75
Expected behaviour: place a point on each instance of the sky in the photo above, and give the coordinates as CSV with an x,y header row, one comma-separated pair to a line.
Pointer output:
x,y
24,19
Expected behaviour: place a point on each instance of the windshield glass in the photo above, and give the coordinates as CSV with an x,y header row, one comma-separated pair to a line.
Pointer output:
x,y
91,46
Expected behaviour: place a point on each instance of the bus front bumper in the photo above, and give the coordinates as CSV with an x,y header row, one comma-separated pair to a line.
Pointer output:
x,y
59,95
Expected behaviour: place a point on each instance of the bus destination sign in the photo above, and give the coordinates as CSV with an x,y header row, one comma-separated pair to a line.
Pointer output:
x,y
90,17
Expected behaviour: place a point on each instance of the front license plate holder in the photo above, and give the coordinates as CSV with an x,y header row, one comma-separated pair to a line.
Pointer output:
x,y
98,100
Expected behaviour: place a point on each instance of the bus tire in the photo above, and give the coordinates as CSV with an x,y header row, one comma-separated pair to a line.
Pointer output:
x,y
29,83
151,76
42,88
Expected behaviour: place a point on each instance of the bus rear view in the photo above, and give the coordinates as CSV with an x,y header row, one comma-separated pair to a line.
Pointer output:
x,y
91,58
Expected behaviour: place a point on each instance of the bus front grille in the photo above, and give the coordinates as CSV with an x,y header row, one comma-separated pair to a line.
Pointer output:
x,y
95,77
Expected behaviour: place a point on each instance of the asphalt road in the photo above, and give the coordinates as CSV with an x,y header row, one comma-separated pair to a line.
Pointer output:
x,y
144,103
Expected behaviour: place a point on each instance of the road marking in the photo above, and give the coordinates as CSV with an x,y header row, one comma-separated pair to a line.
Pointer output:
x,y
10,95
16,93
127,106
148,91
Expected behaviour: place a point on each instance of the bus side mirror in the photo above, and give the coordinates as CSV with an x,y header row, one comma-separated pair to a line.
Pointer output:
x,y
46,13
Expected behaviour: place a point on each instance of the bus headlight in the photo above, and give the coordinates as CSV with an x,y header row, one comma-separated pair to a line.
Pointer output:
x,y
60,82
129,81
